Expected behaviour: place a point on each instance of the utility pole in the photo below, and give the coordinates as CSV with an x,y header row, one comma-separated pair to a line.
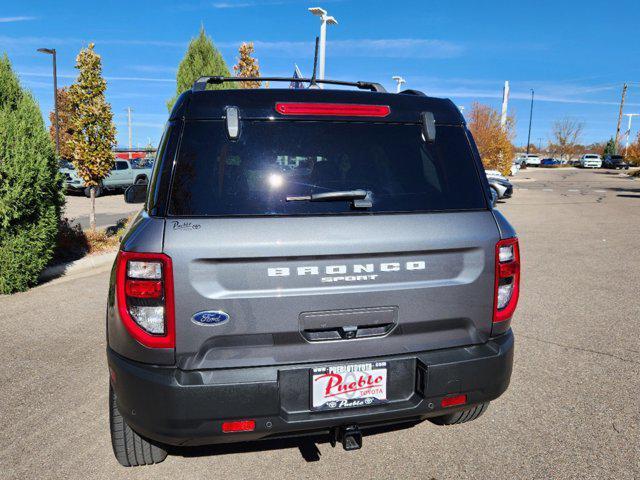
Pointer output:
x,y
325,19
399,80
630,115
624,93
505,104
530,118
130,132
52,51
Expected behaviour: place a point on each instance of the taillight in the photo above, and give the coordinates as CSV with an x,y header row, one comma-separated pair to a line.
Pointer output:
x,y
507,283
144,291
332,109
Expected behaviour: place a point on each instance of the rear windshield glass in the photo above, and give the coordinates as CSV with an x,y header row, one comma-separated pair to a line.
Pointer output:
x,y
272,160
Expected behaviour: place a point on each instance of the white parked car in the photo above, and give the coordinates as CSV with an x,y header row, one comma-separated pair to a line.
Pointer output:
x,y
532,160
494,173
590,160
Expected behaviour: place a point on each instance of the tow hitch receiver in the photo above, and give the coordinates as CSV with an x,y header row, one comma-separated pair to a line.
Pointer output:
x,y
350,436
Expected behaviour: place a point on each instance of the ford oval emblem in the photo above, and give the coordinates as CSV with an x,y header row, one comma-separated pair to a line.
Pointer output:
x,y
210,317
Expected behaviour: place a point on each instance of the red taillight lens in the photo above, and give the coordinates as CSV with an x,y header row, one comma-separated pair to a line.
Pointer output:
x,y
239,426
144,294
454,401
507,282
143,288
333,109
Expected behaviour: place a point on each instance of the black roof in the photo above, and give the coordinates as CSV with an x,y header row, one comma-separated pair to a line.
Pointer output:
x,y
260,104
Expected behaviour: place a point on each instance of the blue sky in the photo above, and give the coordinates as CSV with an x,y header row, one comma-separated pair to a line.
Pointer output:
x,y
575,54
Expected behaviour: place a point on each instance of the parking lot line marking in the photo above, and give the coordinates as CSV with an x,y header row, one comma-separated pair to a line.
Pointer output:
x,y
573,190
547,189
600,191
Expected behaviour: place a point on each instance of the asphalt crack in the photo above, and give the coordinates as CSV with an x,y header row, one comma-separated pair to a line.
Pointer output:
x,y
581,349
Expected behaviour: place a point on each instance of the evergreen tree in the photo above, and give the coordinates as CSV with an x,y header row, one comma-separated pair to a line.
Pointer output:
x,y
247,66
30,187
94,135
202,58
610,147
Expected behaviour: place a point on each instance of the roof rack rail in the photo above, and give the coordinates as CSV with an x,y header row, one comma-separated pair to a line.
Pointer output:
x,y
413,92
201,84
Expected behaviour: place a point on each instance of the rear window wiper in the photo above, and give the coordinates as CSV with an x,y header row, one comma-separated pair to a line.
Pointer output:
x,y
360,198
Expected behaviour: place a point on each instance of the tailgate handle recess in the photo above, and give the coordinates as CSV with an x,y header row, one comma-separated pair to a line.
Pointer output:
x,y
347,332
348,324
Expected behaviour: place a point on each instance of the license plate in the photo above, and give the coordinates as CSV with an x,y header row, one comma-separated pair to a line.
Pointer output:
x,y
348,386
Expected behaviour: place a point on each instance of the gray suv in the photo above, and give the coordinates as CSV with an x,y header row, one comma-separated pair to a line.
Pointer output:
x,y
308,262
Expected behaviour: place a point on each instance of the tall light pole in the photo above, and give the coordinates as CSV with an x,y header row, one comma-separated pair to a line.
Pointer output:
x,y
624,94
52,51
130,132
399,80
530,118
630,115
505,104
325,19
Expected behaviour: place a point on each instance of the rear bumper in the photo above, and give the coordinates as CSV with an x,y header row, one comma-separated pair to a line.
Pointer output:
x,y
177,407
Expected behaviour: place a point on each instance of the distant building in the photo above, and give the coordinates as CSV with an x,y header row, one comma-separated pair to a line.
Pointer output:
x,y
126,154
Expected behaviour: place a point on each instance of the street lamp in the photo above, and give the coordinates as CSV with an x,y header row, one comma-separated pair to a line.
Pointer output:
x,y
52,51
630,115
325,19
399,81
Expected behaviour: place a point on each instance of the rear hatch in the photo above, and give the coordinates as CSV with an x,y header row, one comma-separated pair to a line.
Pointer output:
x,y
260,280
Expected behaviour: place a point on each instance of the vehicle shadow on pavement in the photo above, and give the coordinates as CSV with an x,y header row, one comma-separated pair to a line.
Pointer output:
x,y
623,189
308,445
626,192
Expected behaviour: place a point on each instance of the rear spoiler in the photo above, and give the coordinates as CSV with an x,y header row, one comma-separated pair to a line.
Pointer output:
x,y
201,83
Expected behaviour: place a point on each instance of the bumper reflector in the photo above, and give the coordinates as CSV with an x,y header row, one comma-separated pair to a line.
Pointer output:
x,y
239,426
454,401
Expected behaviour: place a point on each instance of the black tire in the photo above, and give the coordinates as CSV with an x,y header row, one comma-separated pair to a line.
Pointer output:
x,y
462,416
130,449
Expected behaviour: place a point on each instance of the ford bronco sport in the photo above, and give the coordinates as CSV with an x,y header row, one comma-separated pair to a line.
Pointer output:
x,y
321,262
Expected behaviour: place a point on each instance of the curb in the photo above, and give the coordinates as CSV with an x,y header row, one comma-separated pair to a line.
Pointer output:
x,y
78,266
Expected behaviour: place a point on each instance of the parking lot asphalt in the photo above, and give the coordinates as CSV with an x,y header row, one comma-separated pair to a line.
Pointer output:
x,y
572,409
110,208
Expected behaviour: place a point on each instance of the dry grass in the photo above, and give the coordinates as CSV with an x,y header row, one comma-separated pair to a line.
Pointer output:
x,y
100,241
74,243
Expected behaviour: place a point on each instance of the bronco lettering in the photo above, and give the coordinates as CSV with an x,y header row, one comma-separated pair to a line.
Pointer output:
x,y
343,269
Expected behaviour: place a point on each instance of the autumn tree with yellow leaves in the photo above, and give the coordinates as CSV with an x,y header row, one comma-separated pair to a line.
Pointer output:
x,y
65,116
94,134
493,141
632,153
247,66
